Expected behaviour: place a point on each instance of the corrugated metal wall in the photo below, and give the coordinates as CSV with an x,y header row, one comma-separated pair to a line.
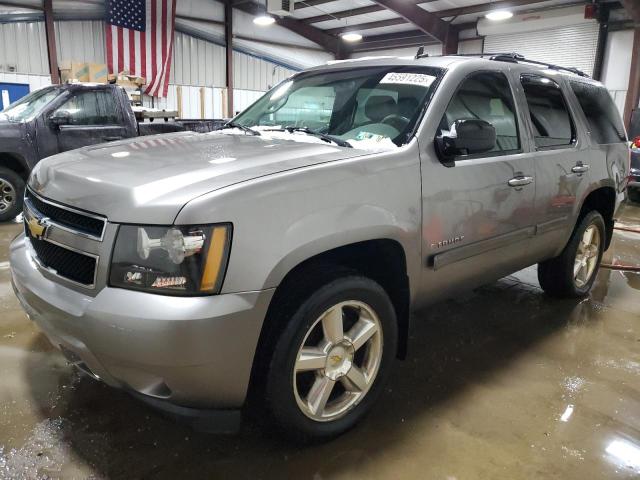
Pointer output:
x,y
252,73
82,41
23,47
197,62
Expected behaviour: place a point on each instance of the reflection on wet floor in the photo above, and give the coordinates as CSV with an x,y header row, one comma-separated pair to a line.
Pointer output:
x,y
502,382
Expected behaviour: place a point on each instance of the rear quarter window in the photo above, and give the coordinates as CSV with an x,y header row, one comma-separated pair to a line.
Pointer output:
x,y
602,115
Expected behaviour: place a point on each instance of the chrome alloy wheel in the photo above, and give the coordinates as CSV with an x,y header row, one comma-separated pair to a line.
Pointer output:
x,y
338,361
7,195
587,256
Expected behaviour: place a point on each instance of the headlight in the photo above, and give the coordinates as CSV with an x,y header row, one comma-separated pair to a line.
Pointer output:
x,y
175,260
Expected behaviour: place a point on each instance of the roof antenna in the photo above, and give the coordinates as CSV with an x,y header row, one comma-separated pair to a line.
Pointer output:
x,y
420,53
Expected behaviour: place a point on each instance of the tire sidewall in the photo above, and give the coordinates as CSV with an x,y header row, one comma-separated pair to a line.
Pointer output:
x,y
18,185
280,394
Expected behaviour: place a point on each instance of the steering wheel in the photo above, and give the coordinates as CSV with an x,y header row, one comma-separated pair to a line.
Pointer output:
x,y
396,121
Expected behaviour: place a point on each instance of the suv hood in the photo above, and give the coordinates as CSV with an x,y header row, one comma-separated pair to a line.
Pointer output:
x,y
149,179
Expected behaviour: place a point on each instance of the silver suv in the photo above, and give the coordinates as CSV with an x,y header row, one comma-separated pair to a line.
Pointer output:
x,y
279,258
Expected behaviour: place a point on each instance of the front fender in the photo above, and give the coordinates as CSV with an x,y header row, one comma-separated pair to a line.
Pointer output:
x,y
284,219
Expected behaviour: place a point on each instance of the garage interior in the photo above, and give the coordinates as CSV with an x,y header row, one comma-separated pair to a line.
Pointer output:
x,y
500,382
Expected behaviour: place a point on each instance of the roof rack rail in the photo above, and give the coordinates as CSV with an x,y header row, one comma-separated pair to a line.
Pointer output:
x,y
513,57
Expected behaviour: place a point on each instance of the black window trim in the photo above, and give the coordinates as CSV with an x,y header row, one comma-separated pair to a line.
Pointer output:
x,y
500,153
574,128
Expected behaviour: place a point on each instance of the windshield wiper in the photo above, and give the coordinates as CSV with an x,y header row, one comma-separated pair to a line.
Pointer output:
x,y
327,138
244,128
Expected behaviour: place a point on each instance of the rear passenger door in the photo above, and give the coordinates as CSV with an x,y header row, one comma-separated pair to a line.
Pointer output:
x,y
562,161
478,209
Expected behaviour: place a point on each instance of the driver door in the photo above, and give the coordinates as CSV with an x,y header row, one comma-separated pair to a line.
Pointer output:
x,y
93,117
478,209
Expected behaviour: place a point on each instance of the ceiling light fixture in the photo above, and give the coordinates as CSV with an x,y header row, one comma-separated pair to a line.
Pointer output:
x,y
264,20
351,37
499,15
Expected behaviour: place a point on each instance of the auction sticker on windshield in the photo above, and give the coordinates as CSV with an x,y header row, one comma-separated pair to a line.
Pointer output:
x,y
420,79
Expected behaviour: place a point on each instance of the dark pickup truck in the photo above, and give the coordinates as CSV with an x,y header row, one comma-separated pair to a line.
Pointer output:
x,y
65,117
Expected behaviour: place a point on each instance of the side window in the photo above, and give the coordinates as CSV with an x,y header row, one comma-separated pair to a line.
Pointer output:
x,y
486,96
602,115
550,118
91,108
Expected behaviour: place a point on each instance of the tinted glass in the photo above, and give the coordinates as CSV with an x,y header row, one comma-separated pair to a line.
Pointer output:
x,y
486,96
550,119
91,108
602,115
364,106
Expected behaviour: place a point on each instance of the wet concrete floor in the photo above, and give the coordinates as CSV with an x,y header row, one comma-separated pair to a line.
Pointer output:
x,y
501,383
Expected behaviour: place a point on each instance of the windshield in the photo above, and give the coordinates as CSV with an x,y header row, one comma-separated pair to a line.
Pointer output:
x,y
28,107
363,106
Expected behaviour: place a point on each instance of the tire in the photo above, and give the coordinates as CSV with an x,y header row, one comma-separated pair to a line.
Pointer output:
x,y
634,194
11,194
353,300
556,276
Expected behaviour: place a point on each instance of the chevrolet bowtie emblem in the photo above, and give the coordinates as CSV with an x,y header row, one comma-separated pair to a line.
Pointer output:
x,y
336,359
37,227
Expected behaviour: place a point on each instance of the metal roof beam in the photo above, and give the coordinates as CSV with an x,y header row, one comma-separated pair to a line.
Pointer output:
x,y
427,22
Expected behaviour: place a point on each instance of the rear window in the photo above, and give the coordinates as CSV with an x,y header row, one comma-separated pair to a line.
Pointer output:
x,y
550,119
602,115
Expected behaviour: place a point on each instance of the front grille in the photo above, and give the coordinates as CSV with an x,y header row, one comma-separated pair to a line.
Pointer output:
x,y
68,218
71,265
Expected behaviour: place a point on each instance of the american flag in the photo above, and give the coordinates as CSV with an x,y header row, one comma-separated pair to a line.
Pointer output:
x,y
140,40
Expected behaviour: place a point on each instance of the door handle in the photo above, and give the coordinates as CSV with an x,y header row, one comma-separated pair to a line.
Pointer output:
x,y
580,168
520,181
112,139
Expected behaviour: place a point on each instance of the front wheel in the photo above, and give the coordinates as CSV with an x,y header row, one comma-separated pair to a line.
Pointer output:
x,y
332,359
572,273
11,193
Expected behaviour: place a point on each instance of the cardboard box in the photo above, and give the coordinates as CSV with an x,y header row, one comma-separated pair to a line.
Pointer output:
x,y
74,71
98,72
130,82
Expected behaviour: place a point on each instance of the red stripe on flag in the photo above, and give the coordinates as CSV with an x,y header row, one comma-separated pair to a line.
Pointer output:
x,y
165,88
143,54
152,32
120,49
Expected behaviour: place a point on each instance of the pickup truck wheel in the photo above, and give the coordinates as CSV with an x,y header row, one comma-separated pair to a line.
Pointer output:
x,y
332,359
11,193
634,194
572,273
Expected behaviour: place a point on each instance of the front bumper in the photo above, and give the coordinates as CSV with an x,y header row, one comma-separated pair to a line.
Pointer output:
x,y
188,351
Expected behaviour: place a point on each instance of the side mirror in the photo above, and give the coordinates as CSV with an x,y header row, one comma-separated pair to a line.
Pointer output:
x,y
467,137
60,117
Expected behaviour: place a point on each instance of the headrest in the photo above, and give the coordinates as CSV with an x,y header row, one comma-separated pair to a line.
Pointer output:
x,y
379,106
407,106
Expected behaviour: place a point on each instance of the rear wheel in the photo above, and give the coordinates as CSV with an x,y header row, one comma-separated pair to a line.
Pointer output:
x,y
11,194
332,359
572,273
634,194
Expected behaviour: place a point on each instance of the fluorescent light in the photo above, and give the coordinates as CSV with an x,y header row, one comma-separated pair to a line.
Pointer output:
x,y
351,37
499,15
264,20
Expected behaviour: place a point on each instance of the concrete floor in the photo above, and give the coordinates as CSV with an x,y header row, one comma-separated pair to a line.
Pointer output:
x,y
501,383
